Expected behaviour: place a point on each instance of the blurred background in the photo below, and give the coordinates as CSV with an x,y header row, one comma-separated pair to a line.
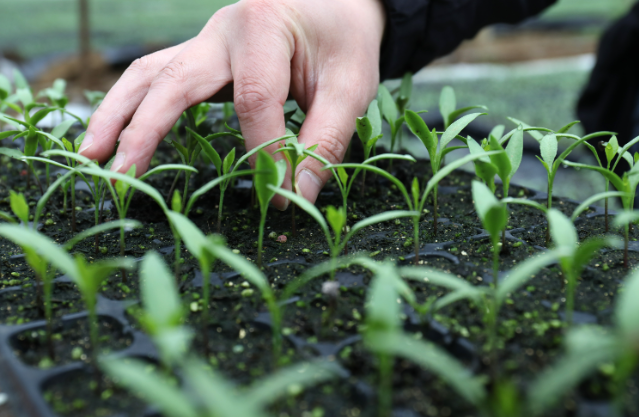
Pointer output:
x,y
534,71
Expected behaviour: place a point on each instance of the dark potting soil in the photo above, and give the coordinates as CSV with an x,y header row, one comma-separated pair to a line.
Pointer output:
x,y
531,323
19,305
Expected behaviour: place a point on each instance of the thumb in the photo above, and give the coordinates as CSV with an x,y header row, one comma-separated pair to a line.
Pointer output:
x,y
330,124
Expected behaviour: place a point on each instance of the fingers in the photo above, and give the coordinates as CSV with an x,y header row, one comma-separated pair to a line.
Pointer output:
x,y
194,74
121,102
260,60
330,124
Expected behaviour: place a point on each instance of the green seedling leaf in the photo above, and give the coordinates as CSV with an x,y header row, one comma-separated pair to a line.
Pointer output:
x,y
212,184
121,187
447,104
548,148
25,97
364,129
153,386
176,202
166,167
625,218
609,175
523,272
19,206
387,105
531,130
625,149
184,153
501,160
101,228
41,114
612,147
305,205
419,129
627,310
210,152
406,86
454,115
7,217
515,150
589,248
336,218
525,202
438,278
591,200
228,161
566,128
343,176
160,293
255,150
379,218
455,128
192,236
268,389
562,230
492,212
434,359
497,132
382,306
375,118
9,133
5,87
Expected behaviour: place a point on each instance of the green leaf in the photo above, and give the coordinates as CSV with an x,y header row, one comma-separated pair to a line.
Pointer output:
x,y
501,160
159,292
566,128
375,118
548,148
611,149
45,247
343,176
153,386
336,218
387,105
525,202
192,236
19,206
625,217
213,183
9,133
627,309
103,227
588,248
379,218
625,149
228,161
434,359
523,272
364,129
497,132
209,151
566,374
515,150
176,202
255,150
11,153
438,278
249,270
382,306
5,87
535,134
40,114
591,200
562,230
455,129
454,115
406,86
492,212
419,129
609,175
25,97
225,402
447,104
167,167
303,375
184,153
377,171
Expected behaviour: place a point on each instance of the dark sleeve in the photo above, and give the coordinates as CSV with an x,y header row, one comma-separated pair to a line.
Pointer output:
x,y
419,31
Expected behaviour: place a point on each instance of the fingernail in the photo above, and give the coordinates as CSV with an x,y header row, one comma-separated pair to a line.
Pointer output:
x,y
86,143
284,205
118,161
309,184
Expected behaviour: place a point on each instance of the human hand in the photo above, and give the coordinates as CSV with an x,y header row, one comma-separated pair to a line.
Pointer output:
x,y
326,54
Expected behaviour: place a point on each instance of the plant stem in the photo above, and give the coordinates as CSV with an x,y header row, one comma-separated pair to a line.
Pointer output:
x,y
606,207
35,177
219,212
496,261
416,238
294,186
122,247
206,280
187,178
363,189
175,181
570,296
385,393
48,284
549,205
261,236
625,248
73,225
435,209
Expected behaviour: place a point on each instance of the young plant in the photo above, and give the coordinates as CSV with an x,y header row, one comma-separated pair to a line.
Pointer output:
x,y
268,173
294,153
383,335
590,347
337,221
206,249
227,169
575,255
625,219
210,394
437,149
369,131
414,201
494,216
448,107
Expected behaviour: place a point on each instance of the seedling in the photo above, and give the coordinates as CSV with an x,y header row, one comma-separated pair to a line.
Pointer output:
x,y
337,220
437,149
415,202
294,153
268,173
590,347
383,335
575,256
625,219
369,130
448,107
214,395
206,249
494,217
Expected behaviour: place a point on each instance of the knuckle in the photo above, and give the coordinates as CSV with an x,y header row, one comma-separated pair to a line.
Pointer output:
x,y
142,64
251,96
331,145
174,71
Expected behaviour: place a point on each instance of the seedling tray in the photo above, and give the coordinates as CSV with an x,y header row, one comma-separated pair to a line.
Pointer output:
x,y
531,322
